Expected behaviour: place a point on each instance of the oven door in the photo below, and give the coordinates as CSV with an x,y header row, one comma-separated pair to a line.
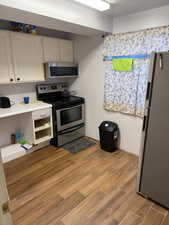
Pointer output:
x,y
70,117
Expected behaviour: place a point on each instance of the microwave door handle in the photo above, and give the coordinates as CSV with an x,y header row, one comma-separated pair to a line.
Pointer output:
x,y
71,130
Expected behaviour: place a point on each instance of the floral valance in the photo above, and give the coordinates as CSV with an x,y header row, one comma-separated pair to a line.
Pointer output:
x,y
125,91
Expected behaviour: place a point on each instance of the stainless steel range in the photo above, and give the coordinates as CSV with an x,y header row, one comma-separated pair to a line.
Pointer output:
x,y
68,112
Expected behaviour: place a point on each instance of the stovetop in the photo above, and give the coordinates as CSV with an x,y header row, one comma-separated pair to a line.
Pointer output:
x,y
54,94
64,102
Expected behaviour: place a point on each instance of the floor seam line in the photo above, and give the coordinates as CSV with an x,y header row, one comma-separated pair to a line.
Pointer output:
x,y
147,214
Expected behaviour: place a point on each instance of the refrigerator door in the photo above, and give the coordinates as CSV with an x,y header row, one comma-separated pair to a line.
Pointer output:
x,y
155,165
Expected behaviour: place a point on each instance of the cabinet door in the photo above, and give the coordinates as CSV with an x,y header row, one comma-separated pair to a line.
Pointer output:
x,y
51,49
27,57
66,51
7,73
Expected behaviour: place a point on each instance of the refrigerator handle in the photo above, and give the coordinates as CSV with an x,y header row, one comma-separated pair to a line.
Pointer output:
x,y
148,90
144,123
161,61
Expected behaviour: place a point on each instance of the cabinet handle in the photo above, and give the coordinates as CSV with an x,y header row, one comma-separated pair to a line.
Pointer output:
x,y
18,79
161,61
11,79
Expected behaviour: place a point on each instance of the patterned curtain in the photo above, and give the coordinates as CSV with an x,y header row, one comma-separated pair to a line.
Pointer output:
x,y
125,91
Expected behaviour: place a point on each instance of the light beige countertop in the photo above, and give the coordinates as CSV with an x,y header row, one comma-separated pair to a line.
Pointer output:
x,y
21,108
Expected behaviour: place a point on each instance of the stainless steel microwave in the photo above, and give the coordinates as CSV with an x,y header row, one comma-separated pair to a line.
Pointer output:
x,y
55,70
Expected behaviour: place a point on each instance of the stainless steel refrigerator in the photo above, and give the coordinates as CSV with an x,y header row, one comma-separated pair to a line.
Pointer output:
x,y
153,181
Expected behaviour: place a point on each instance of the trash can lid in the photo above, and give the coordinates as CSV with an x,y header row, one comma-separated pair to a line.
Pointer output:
x,y
108,126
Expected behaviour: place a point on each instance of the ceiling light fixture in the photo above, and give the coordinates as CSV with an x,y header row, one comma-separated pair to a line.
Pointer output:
x,y
100,5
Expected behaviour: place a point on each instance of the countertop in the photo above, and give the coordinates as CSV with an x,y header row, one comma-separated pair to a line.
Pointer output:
x,y
21,108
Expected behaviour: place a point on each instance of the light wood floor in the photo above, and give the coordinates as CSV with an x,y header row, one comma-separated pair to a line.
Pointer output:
x,y
54,187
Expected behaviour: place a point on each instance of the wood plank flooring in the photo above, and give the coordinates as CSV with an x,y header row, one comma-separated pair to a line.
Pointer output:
x,y
53,187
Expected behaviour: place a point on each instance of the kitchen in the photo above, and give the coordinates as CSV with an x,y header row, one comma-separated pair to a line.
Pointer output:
x,y
37,114
78,47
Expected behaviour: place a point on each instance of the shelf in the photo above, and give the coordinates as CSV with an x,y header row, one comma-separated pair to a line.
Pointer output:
x,y
44,127
41,122
43,135
43,139
12,152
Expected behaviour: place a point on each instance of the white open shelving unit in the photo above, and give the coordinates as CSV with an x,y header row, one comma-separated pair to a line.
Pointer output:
x,y
37,127
42,129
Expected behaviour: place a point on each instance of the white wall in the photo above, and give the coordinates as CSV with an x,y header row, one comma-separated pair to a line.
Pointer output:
x,y
147,19
61,15
90,84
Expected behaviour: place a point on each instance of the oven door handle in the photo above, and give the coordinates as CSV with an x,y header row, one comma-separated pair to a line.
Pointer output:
x,y
71,130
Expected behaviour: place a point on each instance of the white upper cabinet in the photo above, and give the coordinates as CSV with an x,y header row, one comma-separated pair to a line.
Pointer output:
x,y
57,50
27,57
22,55
66,51
6,68
51,49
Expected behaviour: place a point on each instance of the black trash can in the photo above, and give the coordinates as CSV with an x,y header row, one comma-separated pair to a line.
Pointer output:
x,y
109,136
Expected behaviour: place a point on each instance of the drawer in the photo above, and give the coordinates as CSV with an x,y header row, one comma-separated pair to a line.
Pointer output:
x,y
68,136
43,113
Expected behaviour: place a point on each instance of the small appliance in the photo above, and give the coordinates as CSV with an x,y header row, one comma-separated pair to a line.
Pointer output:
x,y
5,102
54,70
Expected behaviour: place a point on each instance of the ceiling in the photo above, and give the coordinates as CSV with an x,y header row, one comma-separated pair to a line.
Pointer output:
x,y
125,7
